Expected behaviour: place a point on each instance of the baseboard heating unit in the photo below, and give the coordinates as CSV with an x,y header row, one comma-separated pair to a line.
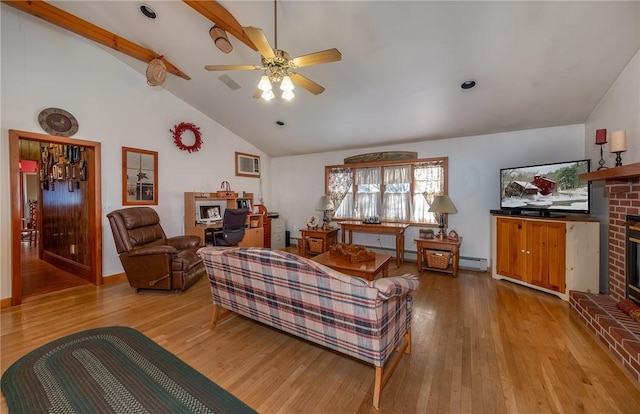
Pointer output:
x,y
473,263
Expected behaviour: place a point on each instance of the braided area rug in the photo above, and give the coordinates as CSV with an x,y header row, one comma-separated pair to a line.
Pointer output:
x,y
111,370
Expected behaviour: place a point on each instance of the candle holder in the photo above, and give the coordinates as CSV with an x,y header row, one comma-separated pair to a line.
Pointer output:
x,y
602,161
601,139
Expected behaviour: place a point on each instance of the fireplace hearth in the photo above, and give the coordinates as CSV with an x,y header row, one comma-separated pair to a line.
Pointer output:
x,y
633,258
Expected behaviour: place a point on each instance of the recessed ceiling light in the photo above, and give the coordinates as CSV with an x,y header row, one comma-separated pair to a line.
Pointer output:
x,y
279,123
148,11
468,84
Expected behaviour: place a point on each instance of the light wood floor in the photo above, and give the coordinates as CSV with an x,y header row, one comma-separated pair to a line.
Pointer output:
x,y
479,346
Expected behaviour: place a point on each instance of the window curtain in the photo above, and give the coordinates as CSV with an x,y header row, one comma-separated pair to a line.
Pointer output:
x,y
428,182
340,184
367,200
396,205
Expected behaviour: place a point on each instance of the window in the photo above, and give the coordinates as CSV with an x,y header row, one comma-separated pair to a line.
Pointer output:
x,y
393,191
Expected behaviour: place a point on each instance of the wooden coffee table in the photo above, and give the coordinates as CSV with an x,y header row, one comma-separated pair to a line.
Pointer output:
x,y
366,270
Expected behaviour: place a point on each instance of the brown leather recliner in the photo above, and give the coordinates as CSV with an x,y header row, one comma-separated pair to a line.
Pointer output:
x,y
149,258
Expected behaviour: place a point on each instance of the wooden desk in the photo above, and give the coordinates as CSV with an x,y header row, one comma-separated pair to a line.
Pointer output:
x,y
319,240
253,236
443,245
385,228
367,270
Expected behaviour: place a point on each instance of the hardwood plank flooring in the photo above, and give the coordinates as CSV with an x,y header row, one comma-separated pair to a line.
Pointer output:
x,y
479,346
40,277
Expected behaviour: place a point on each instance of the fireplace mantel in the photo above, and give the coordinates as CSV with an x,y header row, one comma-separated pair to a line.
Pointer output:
x,y
613,174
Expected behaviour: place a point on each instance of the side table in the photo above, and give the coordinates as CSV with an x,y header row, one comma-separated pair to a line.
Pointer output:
x,y
318,240
446,245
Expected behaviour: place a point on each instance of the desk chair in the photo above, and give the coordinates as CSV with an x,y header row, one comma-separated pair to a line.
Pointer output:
x,y
232,231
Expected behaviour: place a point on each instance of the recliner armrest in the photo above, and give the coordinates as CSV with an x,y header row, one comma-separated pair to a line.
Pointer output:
x,y
184,242
152,250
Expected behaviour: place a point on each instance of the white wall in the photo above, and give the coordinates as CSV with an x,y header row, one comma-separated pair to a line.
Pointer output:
x,y
474,187
619,109
44,66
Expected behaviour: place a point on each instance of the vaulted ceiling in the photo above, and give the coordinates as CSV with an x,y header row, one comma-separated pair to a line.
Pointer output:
x,y
536,64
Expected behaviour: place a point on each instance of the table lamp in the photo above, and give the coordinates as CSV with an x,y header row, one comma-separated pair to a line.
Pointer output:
x,y
325,205
442,205
618,145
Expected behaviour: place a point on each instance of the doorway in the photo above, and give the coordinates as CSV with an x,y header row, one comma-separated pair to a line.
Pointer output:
x,y
94,200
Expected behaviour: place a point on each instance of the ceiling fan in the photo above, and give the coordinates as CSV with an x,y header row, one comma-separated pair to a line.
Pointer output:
x,y
278,66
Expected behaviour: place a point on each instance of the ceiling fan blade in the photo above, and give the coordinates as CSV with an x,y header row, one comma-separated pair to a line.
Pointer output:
x,y
325,56
306,83
260,40
232,67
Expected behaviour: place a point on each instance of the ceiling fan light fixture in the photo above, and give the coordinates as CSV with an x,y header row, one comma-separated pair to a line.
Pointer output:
x,y
220,39
268,95
264,84
287,95
286,84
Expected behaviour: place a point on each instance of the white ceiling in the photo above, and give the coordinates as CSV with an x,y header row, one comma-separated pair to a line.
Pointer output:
x,y
537,64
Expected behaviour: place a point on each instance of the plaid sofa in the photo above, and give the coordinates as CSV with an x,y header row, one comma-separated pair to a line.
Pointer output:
x,y
364,319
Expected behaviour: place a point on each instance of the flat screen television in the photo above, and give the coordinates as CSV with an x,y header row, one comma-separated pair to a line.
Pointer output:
x,y
546,189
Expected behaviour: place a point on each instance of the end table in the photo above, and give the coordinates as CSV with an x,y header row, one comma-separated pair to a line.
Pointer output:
x,y
318,240
446,245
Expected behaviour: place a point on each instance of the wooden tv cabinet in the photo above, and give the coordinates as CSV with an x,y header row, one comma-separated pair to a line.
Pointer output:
x,y
554,255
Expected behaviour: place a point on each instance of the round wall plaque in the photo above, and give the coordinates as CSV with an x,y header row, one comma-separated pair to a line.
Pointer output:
x,y
56,121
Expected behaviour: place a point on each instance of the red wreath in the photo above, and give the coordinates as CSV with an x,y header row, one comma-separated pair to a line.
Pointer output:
x,y
177,136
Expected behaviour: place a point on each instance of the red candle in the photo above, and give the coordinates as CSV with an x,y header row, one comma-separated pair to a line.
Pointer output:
x,y
601,136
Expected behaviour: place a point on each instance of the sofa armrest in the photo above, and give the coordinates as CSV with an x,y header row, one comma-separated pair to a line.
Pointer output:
x,y
389,287
152,250
184,242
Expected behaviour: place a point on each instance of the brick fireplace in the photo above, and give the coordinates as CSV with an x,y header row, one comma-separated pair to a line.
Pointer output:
x,y
615,329
624,200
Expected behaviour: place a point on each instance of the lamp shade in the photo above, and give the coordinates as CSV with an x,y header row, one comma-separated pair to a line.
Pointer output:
x,y
325,203
442,204
286,84
618,141
264,84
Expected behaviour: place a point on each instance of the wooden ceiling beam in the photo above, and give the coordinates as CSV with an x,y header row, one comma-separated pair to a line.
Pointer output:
x,y
213,11
90,31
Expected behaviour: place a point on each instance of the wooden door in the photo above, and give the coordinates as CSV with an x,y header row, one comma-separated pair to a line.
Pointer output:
x,y
511,243
546,260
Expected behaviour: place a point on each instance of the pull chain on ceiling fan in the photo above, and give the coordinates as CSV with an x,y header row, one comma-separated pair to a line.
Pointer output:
x,y
277,66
